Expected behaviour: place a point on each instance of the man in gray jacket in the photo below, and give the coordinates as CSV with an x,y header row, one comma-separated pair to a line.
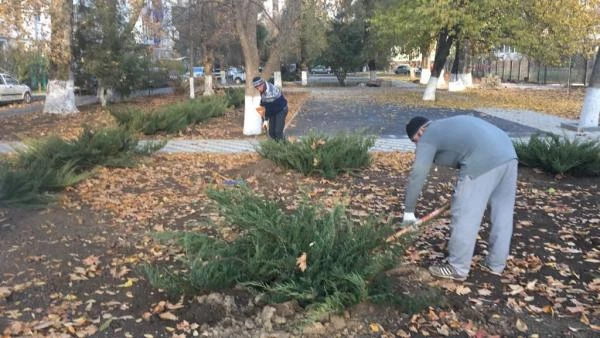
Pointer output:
x,y
487,164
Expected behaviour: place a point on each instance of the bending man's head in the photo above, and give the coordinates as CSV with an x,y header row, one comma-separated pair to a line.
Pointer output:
x,y
415,127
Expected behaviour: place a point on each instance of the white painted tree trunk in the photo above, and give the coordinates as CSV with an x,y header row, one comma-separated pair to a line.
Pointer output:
x,y
372,75
591,103
252,120
105,95
441,82
208,85
192,89
591,109
60,97
467,79
223,78
456,84
425,75
429,94
277,77
304,78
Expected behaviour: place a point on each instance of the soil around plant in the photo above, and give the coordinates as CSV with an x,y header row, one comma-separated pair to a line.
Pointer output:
x,y
75,268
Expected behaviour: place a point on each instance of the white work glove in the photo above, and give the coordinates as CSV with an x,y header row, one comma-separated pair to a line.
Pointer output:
x,y
409,218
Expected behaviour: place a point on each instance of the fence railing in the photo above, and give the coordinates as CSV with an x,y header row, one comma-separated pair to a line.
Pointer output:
x,y
527,70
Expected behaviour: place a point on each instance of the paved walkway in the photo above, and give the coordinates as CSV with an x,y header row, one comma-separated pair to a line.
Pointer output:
x,y
386,120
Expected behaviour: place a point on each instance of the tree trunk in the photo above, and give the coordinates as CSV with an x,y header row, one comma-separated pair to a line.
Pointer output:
x,y
456,84
246,18
442,50
591,103
208,74
465,65
60,97
425,70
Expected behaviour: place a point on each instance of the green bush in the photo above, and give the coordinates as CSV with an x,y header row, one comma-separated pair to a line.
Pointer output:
x,y
319,154
51,164
235,97
172,118
343,258
32,185
560,155
111,147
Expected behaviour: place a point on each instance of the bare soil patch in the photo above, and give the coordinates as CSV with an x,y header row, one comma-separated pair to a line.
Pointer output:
x,y
74,268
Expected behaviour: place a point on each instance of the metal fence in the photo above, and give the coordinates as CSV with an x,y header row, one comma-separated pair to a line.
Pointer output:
x,y
525,69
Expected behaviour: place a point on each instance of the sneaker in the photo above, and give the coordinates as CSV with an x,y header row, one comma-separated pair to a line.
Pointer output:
x,y
487,269
445,271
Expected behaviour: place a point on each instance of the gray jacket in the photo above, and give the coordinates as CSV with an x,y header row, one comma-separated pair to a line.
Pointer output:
x,y
467,143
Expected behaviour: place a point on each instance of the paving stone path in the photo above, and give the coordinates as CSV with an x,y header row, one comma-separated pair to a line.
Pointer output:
x,y
332,110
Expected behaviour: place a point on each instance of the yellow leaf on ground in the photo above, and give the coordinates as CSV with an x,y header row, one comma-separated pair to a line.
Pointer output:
x,y
128,284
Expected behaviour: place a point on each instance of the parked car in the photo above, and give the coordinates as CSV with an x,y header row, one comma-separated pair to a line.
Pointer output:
x,y
12,90
405,70
319,69
216,73
198,72
236,75
402,70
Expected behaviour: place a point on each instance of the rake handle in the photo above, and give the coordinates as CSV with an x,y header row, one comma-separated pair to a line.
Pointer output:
x,y
435,213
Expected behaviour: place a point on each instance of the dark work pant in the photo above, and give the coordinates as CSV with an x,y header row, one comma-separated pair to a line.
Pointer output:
x,y
277,123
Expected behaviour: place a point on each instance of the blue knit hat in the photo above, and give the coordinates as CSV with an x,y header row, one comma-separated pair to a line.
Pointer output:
x,y
257,81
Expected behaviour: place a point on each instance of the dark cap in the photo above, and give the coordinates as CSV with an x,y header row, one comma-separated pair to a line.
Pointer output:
x,y
414,124
257,81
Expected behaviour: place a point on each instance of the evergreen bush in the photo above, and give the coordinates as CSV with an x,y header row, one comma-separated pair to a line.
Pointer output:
x,y
51,164
560,155
235,97
327,156
172,118
343,258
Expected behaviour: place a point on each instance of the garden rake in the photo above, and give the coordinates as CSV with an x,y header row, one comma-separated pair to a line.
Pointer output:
x,y
421,221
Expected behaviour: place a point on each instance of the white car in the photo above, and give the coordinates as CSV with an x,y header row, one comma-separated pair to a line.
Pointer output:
x,y
11,90
235,74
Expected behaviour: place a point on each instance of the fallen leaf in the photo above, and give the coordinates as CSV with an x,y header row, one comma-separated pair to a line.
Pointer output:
x,y
584,319
484,292
521,326
128,284
5,292
374,327
301,262
462,290
443,330
167,316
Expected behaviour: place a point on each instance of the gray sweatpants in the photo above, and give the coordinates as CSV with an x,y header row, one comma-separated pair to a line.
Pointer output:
x,y
497,188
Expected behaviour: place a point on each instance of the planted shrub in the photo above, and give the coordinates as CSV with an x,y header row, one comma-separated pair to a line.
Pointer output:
x,y
51,164
172,118
111,147
32,185
235,97
560,155
342,258
327,156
